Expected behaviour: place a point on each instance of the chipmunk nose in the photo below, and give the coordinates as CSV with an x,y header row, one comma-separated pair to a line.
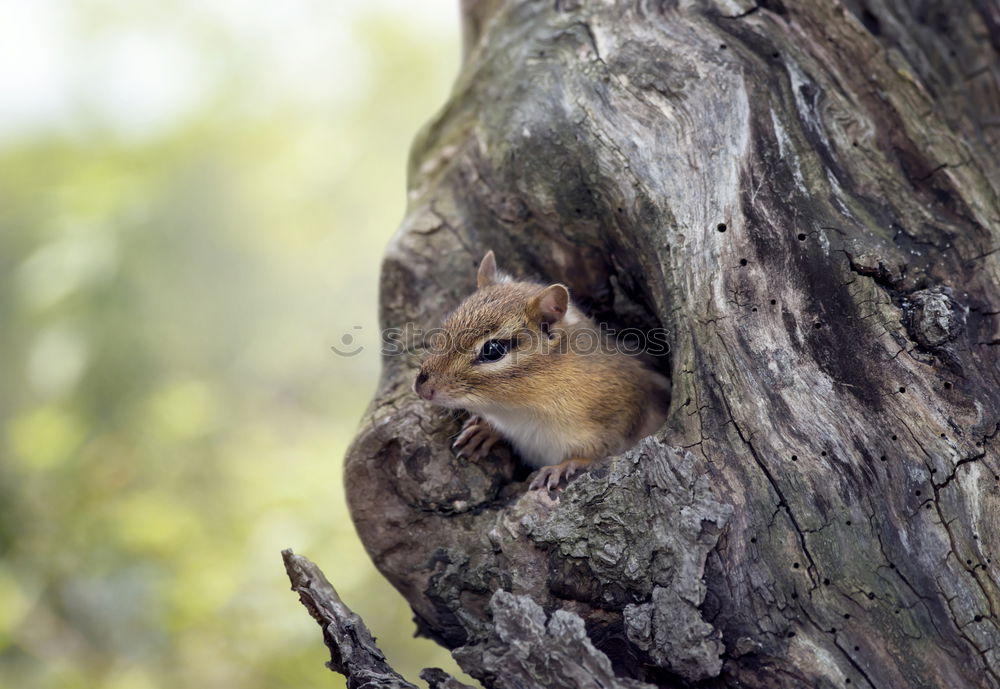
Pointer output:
x,y
421,388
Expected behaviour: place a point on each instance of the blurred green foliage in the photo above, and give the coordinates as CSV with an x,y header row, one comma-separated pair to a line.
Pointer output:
x,y
172,413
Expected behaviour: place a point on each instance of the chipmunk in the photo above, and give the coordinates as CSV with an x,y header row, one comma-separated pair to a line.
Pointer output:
x,y
532,369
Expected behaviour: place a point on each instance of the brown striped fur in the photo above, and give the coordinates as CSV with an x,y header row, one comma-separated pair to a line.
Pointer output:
x,y
549,396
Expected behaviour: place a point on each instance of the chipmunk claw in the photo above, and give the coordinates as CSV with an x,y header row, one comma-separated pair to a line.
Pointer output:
x,y
476,439
550,476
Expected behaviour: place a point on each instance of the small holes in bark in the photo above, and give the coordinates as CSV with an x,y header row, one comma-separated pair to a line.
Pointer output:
x,y
743,261
947,386
917,493
892,566
795,458
895,437
943,435
871,596
927,506
775,55
871,22
722,46
823,453
753,540
790,634
884,458
773,302
902,389
721,227
802,237
795,565
847,615
968,562
754,309
978,618
857,648
775,6
826,582
847,681
848,522
817,325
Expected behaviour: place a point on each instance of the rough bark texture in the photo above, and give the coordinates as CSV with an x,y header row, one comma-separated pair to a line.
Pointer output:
x,y
353,652
805,196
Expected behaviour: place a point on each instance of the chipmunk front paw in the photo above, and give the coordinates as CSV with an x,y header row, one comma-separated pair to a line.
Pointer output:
x,y
476,438
550,476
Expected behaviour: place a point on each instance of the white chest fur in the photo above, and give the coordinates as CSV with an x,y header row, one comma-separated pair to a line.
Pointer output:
x,y
540,441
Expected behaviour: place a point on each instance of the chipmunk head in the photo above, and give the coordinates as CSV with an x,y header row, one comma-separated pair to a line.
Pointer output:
x,y
487,352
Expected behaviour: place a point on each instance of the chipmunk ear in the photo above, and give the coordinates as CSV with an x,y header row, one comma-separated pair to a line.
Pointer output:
x,y
550,305
487,271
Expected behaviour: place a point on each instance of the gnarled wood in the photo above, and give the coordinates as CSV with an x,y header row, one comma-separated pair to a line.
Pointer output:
x,y
353,652
526,648
804,195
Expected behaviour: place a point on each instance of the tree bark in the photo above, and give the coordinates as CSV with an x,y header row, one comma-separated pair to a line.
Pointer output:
x,y
804,195
353,652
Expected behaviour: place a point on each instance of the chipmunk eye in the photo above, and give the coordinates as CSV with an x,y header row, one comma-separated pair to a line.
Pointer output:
x,y
493,350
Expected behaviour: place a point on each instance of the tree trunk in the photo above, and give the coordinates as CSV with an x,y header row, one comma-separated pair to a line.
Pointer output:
x,y
804,196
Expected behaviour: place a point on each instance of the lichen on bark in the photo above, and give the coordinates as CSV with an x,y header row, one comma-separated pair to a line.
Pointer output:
x,y
803,196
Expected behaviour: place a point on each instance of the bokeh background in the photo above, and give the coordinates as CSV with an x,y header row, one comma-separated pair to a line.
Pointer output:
x,y
194,198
